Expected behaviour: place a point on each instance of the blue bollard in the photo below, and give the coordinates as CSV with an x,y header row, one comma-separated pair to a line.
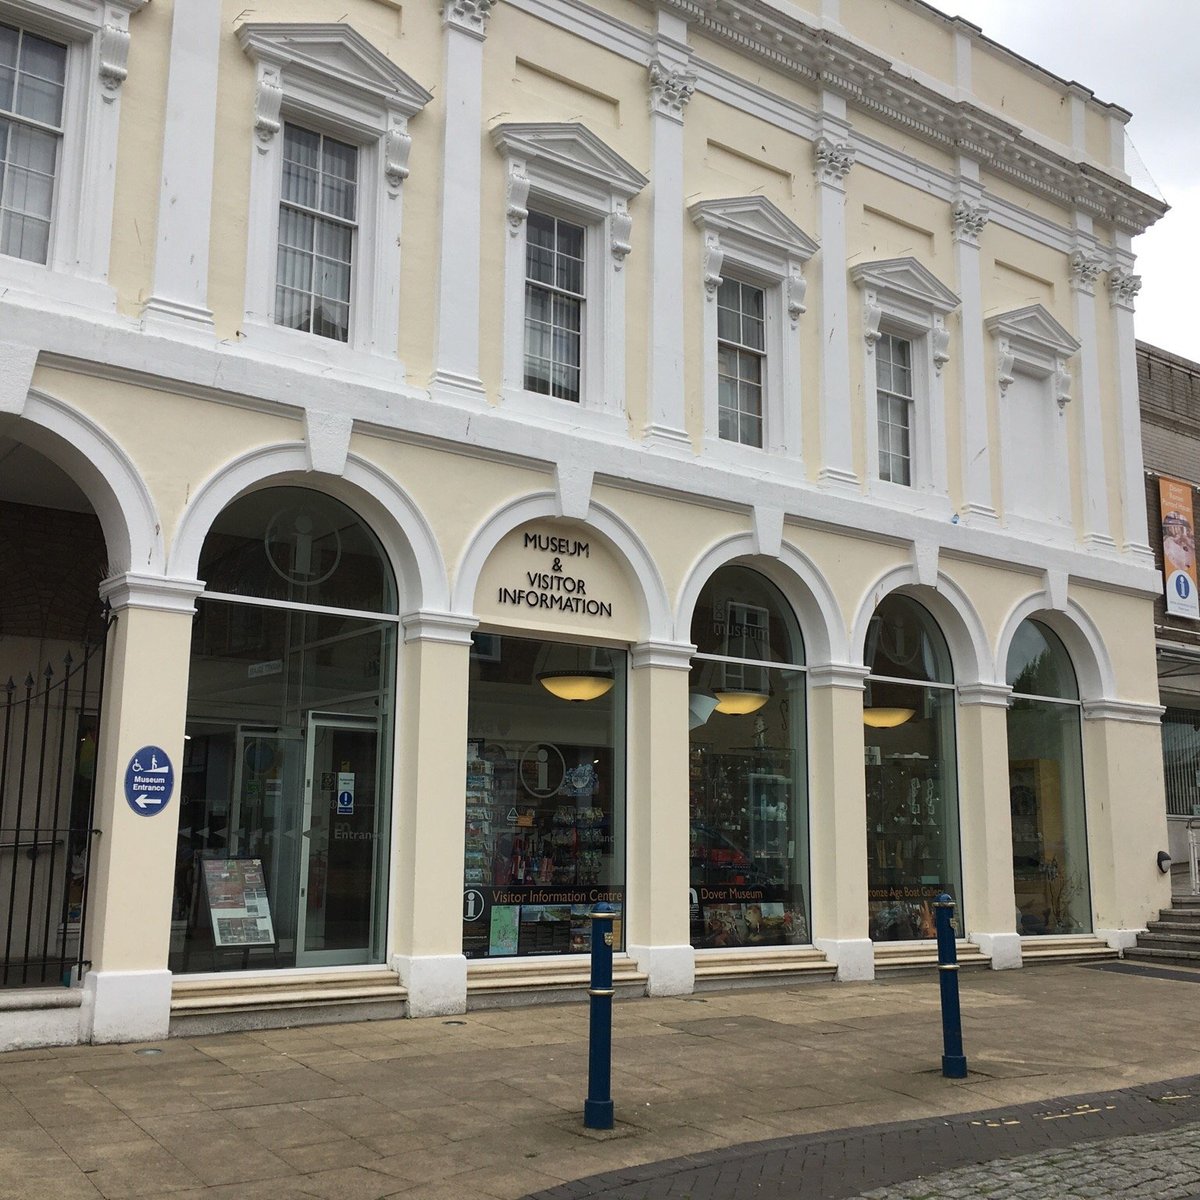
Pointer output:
x,y
598,1107
954,1062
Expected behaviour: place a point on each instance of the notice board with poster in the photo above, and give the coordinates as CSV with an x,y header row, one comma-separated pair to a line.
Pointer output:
x,y
237,902
1179,548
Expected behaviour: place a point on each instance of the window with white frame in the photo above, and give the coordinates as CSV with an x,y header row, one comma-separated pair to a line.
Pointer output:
x,y
33,74
62,64
1032,353
554,305
753,256
741,361
905,347
328,166
569,230
317,207
894,401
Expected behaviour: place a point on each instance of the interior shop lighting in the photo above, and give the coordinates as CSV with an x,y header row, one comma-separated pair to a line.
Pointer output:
x,y
576,685
739,701
886,718
701,705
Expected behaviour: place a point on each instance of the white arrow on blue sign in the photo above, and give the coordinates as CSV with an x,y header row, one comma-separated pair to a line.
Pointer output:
x,y
149,781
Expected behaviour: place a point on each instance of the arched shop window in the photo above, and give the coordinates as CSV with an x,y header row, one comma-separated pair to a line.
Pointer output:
x,y
545,834
912,792
1045,778
747,766
285,808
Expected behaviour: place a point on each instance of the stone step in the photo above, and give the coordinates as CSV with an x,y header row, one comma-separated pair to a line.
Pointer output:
x,y
1169,925
728,968
906,956
301,989
552,977
1168,941
1065,948
1191,915
1149,954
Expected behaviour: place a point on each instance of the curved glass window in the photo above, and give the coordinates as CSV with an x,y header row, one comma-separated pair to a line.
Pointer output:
x,y
912,784
285,789
748,766
294,544
1045,779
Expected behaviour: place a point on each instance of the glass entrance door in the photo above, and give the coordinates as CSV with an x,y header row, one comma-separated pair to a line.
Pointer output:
x,y
340,832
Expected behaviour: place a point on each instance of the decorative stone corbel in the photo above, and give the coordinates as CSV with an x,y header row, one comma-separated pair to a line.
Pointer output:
x,y
1085,267
267,101
397,145
872,315
671,87
621,227
832,161
518,197
1005,361
114,58
1123,287
797,288
1062,384
714,260
471,16
940,340
969,218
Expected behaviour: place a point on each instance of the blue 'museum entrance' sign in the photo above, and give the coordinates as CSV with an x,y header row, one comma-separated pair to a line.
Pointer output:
x,y
149,781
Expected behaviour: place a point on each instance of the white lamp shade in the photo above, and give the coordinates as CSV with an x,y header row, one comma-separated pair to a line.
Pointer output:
x,y
886,718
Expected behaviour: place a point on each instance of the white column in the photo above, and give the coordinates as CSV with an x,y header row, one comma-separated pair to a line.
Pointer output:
x,y
456,368
969,216
838,819
657,928
1123,287
1086,265
127,990
989,900
833,157
180,289
671,87
431,810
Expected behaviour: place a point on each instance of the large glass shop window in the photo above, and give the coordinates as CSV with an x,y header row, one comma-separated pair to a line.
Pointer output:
x,y
747,767
1045,779
545,783
912,795
285,796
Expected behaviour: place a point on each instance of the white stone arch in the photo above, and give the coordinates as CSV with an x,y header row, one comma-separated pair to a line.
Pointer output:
x,y
105,473
957,617
794,573
649,589
1079,633
401,527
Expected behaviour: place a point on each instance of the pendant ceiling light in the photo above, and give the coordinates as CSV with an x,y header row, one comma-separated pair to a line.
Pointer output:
x,y
576,686
886,718
700,707
739,701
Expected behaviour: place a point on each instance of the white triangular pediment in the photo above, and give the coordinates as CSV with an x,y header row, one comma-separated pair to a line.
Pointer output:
x,y
1033,325
569,148
908,278
757,220
336,54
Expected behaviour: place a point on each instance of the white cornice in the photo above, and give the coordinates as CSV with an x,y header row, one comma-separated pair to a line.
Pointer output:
x,y
1107,709
872,83
667,656
155,592
838,675
571,150
451,629
985,695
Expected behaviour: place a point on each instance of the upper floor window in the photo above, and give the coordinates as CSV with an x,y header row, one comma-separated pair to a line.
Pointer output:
x,y
906,345
33,74
326,195
568,237
894,397
318,202
741,361
752,262
554,306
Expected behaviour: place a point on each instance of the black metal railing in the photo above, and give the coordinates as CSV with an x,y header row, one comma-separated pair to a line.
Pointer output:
x,y
49,736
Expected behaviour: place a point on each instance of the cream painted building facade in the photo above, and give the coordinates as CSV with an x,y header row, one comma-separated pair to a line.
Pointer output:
x,y
385,365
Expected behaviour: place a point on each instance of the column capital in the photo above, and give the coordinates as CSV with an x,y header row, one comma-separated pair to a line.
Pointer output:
x,y
1123,287
672,85
1108,709
838,675
427,625
1085,269
157,592
969,218
667,656
832,161
469,16
984,695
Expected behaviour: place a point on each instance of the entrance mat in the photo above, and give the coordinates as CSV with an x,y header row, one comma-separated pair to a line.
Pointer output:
x,y
1124,968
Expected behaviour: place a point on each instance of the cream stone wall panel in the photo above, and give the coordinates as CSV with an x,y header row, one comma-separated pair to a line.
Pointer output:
x,y
995,592
932,162
924,40
1126,625
1006,85
146,424
139,158
1097,138
753,70
1030,202
543,89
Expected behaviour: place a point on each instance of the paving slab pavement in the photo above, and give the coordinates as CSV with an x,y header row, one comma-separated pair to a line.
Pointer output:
x,y
489,1105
